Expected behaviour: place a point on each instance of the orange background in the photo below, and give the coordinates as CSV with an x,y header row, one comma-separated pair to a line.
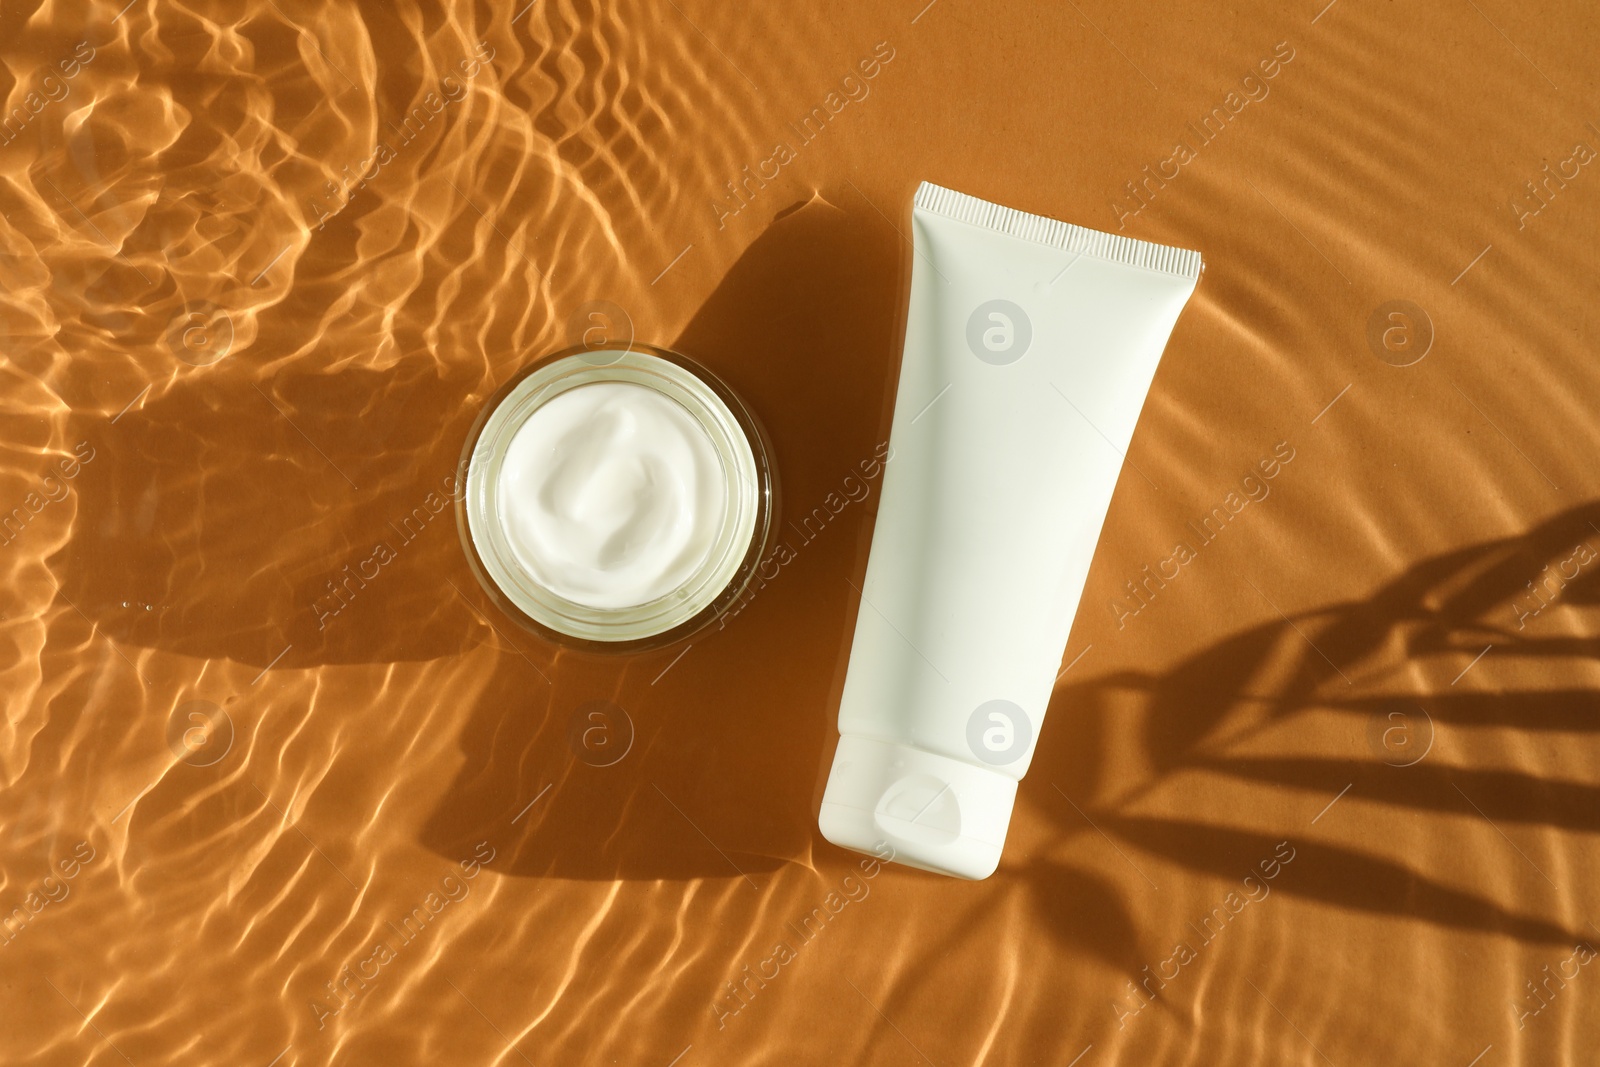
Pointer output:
x,y
269,380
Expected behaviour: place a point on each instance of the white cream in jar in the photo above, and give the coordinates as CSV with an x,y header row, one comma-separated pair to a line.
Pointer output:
x,y
615,496
611,494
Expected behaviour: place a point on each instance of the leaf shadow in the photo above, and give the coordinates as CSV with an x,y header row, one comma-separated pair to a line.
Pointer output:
x,y
1523,595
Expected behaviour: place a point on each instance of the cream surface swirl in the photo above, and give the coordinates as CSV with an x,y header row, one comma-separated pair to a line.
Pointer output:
x,y
611,495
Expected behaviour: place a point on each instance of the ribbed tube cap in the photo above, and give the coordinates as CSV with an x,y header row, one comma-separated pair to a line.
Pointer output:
x,y
936,813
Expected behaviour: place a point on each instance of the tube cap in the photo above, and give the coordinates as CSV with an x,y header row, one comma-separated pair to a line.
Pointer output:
x,y
935,813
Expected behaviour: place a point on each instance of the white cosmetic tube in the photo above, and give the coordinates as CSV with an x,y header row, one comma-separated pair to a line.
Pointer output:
x,y
1030,346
